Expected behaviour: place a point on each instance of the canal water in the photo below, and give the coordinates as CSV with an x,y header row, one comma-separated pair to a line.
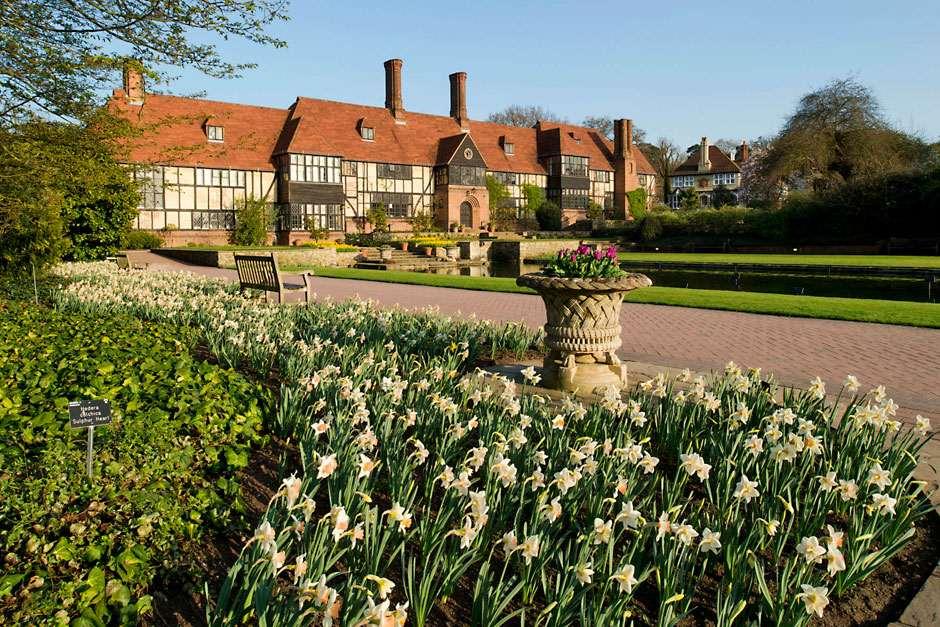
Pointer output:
x,y
886,288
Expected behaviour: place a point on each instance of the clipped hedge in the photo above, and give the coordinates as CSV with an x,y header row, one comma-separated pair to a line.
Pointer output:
x,y
85,550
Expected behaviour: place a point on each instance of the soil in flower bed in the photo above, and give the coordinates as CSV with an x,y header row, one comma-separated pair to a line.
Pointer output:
x,y
184,602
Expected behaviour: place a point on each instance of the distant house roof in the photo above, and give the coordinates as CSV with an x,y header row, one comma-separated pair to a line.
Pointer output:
x,y
721,163
174,132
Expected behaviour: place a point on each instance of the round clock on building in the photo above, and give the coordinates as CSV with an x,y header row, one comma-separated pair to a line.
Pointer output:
x,y
468,154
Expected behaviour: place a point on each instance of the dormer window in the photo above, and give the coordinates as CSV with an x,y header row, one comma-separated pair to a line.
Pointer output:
x,y
215,133
366,132
509,148
575,137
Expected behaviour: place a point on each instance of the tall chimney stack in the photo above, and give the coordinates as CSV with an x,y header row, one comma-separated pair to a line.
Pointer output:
x,y
458,98
133,84
625,175
704,161
393,101
743,153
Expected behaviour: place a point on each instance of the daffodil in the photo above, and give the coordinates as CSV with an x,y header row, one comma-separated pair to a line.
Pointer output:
x,y
922,425
529,548
746,489
602,531
828,481
879,476
711,541
851,383
883,503
810,549
625,578
383,586
814,598
630,517
366,466
584,572
685,533
291,486
327,466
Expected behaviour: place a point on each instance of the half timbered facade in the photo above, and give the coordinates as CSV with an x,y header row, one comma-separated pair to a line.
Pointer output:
x,y
324,164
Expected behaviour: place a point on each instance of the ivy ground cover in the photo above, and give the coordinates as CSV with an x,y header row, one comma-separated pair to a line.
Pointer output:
x,y
430,493
86,551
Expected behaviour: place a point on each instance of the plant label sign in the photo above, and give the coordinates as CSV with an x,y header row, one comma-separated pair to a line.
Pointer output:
x,y
89,413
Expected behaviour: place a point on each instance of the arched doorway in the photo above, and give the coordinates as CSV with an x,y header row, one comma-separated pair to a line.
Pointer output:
x,y
466,214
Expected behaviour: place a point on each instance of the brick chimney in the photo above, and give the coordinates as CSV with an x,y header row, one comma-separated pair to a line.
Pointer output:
x,y
743,153
704,162
625,176
458,99
133,84
393,101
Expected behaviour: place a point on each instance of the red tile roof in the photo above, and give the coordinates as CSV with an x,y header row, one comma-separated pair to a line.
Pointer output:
x,y
173,132
253,135
721,163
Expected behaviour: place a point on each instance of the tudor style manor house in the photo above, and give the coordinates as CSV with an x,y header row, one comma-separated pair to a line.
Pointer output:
x,y
324,164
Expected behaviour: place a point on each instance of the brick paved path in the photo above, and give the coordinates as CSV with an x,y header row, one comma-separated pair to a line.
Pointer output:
x,y
904,359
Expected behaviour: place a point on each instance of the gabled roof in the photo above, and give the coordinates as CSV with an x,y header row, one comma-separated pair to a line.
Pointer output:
x,y
721,163
173,132
254,136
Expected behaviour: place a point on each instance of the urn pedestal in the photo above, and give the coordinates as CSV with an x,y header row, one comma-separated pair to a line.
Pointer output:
x,y
583,330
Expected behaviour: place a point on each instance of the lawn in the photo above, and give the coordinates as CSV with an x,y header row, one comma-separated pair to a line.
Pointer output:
x,y
857,309
881,261
878,261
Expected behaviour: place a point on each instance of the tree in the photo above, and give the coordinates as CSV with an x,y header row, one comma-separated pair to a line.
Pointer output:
x,y
689,200
65,192
728,146
605,126
524,115
665,157
252,217
502,214
56,54
722,196
378,218
838,133
549,216
88,198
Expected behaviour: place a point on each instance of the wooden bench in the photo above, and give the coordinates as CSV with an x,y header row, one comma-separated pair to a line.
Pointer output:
x,y
260,272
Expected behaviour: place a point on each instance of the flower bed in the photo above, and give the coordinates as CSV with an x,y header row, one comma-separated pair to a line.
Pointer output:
x,y
429,493
89,549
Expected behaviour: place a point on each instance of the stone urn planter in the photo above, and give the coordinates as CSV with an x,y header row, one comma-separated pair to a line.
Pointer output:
x,y
385,253
453,252
583,330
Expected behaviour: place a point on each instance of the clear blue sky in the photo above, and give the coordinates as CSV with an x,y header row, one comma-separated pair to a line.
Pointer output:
x,y
680,69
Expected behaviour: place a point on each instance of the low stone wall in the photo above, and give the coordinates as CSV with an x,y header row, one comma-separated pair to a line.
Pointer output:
x,y
226,258
518,251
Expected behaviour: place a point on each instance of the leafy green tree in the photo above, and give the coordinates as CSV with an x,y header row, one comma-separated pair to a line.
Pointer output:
x,y
87,198
595,211
689,200
502,214
378,218
722,196
252,218
838,133
56,54
637,201
549,216
64,192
